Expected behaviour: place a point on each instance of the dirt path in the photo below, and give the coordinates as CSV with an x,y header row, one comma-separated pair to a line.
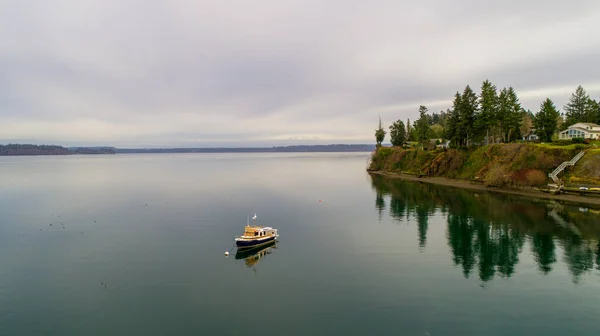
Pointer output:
x,y
476,186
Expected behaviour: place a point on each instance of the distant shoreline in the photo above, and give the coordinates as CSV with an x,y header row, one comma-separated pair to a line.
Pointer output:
x,y
464,184
30,150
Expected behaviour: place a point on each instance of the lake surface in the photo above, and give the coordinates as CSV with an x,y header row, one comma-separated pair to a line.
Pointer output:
x,y
134,245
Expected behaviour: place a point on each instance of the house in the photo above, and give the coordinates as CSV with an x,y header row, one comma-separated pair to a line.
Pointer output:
x,y
581,130
445,144
531,136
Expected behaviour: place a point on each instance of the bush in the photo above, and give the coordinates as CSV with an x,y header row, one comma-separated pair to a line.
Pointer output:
x,y
578,140
562,143
496,177
536,177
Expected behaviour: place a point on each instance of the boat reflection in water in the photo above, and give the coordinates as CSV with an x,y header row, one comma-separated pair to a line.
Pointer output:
x,y
251,256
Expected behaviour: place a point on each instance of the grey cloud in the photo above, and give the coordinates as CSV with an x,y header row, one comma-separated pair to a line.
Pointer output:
x,y
151,71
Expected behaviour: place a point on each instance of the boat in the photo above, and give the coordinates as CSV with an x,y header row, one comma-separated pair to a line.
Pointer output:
x,y
255,235
252,255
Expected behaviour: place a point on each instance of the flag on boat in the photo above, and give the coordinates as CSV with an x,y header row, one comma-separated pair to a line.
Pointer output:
x,y
254,216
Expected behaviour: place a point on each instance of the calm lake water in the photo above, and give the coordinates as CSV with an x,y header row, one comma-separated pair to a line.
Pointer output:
x,y
134,245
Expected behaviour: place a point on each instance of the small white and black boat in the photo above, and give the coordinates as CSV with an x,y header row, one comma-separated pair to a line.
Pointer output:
x,y
255,235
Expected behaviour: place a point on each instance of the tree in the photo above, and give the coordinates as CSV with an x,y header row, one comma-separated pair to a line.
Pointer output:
x,y
452,121
409,131
546,120
512,121
380,133
467,110
578,108
595,108
488,101
422,125
397,133
436,131
502,112
560,123
526,121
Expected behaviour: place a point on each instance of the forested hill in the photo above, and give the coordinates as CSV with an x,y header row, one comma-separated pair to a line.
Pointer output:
x,y
27,149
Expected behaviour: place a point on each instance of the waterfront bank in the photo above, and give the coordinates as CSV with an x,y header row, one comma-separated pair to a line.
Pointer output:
x,y
466,184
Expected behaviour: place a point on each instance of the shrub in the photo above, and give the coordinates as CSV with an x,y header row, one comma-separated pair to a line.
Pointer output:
x,y
536,177
578,140
496,177
562,143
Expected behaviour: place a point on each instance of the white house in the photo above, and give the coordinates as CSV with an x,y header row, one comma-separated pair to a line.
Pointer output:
x,y
581,130
531,136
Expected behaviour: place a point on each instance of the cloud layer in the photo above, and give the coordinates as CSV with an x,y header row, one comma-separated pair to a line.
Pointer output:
x,y
237,73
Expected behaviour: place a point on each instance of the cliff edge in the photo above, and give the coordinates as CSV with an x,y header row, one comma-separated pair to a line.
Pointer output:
x,y
498,165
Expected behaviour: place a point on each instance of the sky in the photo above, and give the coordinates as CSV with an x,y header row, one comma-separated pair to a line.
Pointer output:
x,y
147,73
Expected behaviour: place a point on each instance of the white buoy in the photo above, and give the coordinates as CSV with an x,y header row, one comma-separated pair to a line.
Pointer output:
x,y
226,253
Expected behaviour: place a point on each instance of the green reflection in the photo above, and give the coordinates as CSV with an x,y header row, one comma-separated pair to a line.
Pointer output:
x,y
487,232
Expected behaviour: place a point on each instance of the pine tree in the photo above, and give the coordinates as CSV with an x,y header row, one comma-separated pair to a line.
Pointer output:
x,y
488,101
597,105
593,111
577,109
546,120
397,133
513,117
503,111
468,109
452,122
380,133
422,125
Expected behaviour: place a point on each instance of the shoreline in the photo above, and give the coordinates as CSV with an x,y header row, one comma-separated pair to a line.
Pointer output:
x,y
465,184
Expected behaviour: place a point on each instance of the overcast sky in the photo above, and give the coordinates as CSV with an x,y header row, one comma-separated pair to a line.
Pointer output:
x,y
150,73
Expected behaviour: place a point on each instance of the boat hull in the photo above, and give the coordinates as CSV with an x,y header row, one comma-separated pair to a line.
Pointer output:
x,y
254,250
254,242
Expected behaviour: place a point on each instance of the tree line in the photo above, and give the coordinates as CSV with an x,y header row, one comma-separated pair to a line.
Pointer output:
x,y
492,116
28,149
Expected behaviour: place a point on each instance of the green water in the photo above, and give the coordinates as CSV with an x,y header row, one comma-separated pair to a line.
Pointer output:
x,y
134,245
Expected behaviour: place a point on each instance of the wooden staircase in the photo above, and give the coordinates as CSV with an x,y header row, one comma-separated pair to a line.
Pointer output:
x,y
562,166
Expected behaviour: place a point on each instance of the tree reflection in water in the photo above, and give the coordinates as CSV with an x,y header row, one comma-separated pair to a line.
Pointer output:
x,y
488,231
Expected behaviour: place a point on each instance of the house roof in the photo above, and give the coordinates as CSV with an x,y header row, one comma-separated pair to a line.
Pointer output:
x,y
587,124
581,129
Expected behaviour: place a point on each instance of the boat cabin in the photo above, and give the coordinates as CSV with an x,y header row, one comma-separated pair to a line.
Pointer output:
x,y
258,231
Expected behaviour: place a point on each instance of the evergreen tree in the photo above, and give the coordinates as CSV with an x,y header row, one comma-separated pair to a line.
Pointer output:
x,y
422,125
380,133
591,111
435,118
578,107
503,111
468,109
488,101
443,118
409,130
397,133
594,107
452,122
513,116
546,120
